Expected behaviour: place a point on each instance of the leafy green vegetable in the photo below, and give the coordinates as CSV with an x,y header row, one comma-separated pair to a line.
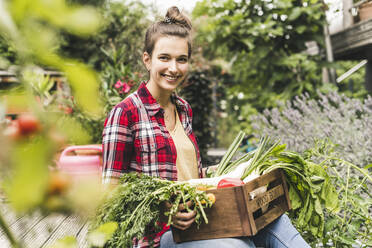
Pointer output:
x,y
136,205
310,189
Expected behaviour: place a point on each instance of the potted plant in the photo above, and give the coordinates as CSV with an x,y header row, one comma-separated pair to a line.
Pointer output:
x,y
365,10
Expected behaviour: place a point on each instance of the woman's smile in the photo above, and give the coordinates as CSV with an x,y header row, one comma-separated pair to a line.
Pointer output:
x,y
170,77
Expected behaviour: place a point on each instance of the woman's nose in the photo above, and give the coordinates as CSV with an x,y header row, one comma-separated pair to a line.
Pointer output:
x,y
173,66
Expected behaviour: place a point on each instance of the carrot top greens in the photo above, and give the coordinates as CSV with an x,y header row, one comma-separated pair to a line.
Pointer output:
x,y
136,206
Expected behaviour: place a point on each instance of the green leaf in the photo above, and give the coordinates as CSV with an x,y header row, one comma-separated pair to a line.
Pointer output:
x,y
296,12
74,131
102,234
296,200
65,242
330,197
346,240
368,166
28,184
301,29
84,83
279,148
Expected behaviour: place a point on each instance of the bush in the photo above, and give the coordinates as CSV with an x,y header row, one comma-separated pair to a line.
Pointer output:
x,y
331,128
346,122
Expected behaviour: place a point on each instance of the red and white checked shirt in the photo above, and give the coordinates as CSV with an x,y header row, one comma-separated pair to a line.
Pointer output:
x,y
135,138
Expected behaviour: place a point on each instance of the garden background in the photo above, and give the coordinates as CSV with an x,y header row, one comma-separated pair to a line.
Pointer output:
x,y
251,70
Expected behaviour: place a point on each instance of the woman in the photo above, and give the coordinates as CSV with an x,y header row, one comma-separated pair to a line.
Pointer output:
x,y
150,132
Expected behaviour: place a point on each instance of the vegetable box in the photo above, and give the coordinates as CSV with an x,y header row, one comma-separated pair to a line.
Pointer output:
x,y
242,210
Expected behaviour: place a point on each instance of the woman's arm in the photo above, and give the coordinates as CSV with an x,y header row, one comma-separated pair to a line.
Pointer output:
x,y
117,142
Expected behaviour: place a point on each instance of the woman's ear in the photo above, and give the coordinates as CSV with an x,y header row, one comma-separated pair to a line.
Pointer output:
x,y
146,58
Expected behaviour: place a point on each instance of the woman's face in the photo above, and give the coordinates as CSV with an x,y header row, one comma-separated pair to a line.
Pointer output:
x,y
169,63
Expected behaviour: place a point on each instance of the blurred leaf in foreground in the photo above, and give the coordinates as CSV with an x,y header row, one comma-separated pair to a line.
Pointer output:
x,y
27,186
66,242
99,236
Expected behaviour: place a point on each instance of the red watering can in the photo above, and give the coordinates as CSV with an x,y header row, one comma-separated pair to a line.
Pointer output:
x,y
82,160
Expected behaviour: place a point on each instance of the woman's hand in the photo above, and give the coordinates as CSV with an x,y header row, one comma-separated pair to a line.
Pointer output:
x,y
183,219
208,171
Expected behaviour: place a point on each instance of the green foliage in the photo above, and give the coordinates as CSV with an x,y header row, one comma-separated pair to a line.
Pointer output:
x,y
352,225
115,52
99,236
29,161
137,205
264,43
7,53
119,40
354,85
32,28
330,130
66,242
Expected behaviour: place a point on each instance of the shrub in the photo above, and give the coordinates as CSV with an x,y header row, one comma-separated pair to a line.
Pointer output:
x,y
300,123
337,129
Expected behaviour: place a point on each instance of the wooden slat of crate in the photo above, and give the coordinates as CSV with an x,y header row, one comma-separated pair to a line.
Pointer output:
x,y
232,212
268,196
271,215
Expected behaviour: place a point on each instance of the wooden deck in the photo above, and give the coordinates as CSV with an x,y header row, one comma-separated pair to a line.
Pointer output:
x,y
353,43
37,230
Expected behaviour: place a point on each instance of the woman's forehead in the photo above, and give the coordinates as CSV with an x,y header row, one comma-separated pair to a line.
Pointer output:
x,y
171,45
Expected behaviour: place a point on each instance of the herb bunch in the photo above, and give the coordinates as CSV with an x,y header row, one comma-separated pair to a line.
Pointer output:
x,y
311,190
136,205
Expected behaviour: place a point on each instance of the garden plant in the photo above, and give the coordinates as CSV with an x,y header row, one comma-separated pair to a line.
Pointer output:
x,y
335,130
256,49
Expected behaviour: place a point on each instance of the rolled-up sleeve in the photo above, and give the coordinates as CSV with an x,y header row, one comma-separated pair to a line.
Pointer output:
x,y
117,143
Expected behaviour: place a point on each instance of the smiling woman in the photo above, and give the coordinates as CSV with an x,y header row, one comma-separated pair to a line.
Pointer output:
x,y
150,132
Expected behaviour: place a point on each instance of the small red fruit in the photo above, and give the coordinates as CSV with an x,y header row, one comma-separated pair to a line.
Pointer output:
x,y
28,124
68,110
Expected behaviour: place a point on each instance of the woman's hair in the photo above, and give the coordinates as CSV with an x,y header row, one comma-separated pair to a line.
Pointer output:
x,y
174,24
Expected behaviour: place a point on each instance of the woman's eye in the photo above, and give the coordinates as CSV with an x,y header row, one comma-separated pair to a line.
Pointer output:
x,y
183,60
163,57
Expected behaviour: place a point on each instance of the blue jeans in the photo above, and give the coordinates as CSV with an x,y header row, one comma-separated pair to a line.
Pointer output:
x,y
279,234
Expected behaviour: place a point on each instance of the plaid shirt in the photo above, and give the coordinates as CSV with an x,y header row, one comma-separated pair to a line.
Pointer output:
x,y
135,138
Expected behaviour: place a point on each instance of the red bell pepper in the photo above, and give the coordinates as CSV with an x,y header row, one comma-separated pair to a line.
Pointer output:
x,y
229,182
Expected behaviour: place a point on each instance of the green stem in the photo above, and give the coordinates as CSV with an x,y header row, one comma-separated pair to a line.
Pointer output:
x,y
346,193
365,173
230,153
202,210
8,233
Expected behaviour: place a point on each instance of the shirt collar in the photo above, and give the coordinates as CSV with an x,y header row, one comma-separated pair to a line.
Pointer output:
x,y
152,105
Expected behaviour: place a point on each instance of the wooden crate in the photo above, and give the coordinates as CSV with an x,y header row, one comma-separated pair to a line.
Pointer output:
x,y
236,214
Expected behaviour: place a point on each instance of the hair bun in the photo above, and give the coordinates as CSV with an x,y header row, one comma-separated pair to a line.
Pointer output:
x,y
175,16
